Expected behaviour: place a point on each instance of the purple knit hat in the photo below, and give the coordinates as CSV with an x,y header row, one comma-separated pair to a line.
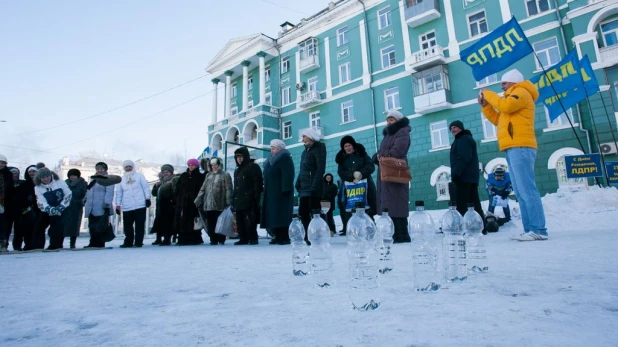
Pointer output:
x,y
193,162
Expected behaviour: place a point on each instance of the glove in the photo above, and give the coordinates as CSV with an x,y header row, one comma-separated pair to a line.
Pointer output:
x,y
357,176
118,209
53,211
59,209
106,206
148,203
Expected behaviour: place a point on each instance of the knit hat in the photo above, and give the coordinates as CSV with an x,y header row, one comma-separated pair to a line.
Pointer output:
x,y
193,161
14,170
394,114
513,76
43,172
456,123
101,164
277,143
32,168
128,163
347,139
74,172
3,158
167,167
311,133
499,172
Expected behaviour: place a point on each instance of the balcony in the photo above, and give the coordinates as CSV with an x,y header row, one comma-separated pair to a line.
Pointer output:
x,y
427,58
310,99
419,12
309,63
320,131
609,55
433,102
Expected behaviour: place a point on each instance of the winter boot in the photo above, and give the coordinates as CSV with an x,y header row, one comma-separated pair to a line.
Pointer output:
x,y
72,242
401,230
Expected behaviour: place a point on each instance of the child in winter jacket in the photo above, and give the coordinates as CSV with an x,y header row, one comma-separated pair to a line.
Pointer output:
x,y
53,196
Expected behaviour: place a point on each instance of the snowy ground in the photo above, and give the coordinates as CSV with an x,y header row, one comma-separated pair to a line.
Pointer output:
x,y
561,292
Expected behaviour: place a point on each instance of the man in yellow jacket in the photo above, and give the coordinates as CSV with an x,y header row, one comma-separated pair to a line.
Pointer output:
x,y
513,114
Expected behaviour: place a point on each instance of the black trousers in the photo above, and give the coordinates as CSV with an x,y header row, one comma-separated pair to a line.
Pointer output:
x,y
211,220
56,231
23,230
305,205
330,220
247,229
281,234
466,193
96,238
130,235
10,221
3,227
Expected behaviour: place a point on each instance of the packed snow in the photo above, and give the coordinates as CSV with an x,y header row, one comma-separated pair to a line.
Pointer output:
x,y
560,292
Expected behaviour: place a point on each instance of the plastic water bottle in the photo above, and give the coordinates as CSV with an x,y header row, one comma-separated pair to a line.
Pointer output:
x,y
363,261
300,251
384,242
454,246
425,251
320,251
477,254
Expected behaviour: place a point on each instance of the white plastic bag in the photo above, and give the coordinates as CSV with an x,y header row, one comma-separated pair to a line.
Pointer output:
x,y
225,223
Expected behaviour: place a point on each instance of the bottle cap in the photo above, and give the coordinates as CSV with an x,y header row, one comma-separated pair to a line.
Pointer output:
x,y
359,204
419,203
452,203
385,210
470,205
316,211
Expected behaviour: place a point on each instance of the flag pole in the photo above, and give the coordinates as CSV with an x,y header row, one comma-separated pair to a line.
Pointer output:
x,y
596,135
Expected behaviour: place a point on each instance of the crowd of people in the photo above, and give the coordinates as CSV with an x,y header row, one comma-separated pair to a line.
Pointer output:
x,y
265,196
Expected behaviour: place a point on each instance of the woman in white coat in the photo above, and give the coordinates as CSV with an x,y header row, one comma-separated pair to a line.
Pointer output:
x,y
132,199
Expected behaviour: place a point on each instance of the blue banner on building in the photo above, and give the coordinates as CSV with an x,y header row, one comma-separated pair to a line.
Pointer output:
x,y
611,168
497,50
582,166
562,77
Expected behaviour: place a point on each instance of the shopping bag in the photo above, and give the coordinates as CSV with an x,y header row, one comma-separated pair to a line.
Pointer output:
x,y
355,192
225,223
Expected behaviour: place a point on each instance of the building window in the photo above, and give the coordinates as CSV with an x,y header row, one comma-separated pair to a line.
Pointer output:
x,y
234,110
391,98
344,73
439,134
308,48
287,130
285,96
427,40
487,80
477,24
537,6
267,74
548,52
489,130
561,121
342,36
250,83
312,84
314,120
268,99
430,80
388,56
234,90
609,30
285,65
249,104
442,186
347,112
563,180
384,17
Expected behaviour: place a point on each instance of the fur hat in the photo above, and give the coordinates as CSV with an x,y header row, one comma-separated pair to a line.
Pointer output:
x,y
277,143
128,163
40,165
513,76
311,133
347,139
167,167
43,172
74,172
101,164
394,114
3,158
193,161
456,123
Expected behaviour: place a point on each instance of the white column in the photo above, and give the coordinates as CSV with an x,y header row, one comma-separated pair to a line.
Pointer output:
x,y
298,92
329,84
213,116
245,85
453,46
505,10
262,79
228,94
363,39
407,51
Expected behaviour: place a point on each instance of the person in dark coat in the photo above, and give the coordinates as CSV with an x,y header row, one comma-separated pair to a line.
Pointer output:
x,y
329,193
309,183
188,187
73,214
248,186
355,165
164,190
13,212
6,194
465,171
24,231
395,196
278,192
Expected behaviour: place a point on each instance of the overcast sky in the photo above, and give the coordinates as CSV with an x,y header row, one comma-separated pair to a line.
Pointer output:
x,y
64,61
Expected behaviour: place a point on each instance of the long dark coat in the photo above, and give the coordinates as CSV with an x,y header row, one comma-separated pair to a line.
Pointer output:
x,y
278,191
248,184
72,216
464,159
312,167
166,207
187,188
361,162
396,143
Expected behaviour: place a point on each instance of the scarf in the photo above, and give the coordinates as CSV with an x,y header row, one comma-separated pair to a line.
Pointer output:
x,y
129,177
275,158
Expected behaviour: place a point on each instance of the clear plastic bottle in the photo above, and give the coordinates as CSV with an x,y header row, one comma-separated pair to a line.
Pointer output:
x,y
320,251
425,251
300,251
454,246
477,254
363,261
384,242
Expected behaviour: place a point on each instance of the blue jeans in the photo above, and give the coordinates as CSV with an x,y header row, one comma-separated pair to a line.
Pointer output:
x,y
521,167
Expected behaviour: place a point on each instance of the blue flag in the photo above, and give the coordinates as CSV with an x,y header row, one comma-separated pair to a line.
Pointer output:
x,y
562,77
572,97
497,50
215,153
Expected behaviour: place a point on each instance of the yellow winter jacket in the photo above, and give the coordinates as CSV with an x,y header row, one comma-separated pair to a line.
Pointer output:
x,y
513,114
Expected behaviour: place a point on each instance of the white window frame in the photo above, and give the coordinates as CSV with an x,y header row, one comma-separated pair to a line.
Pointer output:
x,y
422,39
391,98
268,99
250,83
442,191
391,50
312,84
314,119
349,107
345,74
444,140
478,23
491,79
603,33
384,14
308,48
234,111
234,90
546,52
561,121
487,125
249,104
267,73
419,80
286,130
285,91
342,36
285,65
538,9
